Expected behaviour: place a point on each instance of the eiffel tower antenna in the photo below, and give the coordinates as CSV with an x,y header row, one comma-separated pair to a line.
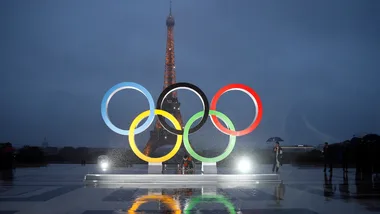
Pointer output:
x,y
170,9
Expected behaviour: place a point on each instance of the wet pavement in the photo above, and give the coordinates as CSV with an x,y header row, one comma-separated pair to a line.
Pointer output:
x,y
60,189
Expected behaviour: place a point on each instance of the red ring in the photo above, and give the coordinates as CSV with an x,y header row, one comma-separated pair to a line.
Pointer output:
x,y
253,95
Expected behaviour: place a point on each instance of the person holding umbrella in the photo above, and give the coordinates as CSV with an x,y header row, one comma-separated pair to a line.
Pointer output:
x,y
277,156
277,152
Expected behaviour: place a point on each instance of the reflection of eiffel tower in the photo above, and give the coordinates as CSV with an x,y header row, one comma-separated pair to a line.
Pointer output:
x,y
160,137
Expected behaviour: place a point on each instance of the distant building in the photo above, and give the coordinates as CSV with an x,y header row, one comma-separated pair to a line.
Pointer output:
x,y
51,150
299,148
45,143
295,148
48,150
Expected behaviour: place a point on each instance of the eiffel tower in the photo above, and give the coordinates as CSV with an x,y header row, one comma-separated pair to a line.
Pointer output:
x,y
159,136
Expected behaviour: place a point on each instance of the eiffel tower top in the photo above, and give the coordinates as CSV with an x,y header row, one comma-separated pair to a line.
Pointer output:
x,y
170,20
170,74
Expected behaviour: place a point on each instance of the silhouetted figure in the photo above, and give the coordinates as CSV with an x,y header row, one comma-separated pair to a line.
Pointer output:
x,y
6,162
375,158
345,157
2,157
372,143
367,161
327,157
277,157
359,148
9,156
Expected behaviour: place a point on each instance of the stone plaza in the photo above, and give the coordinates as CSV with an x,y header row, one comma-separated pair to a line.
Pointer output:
x,y
60,189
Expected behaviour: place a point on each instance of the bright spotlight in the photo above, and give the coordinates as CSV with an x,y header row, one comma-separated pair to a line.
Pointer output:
x,y
104,165
244,165
104,162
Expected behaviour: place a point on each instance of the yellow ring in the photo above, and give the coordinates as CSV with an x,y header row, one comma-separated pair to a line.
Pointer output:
x,y
136,150
170,202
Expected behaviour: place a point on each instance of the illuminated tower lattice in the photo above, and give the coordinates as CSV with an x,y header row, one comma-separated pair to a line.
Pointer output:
x,y
159,136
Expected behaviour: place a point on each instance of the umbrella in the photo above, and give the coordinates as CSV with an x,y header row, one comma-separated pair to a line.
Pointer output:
x,y
274,139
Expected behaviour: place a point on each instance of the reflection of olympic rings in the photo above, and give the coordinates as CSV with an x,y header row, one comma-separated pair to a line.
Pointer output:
x,y
174,206
207,110
210,198
167,200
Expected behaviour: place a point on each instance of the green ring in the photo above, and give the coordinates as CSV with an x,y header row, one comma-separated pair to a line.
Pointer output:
x,y
190,150
212,198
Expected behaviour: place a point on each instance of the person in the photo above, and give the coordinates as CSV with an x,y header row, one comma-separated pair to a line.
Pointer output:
x,y
359,150
345,157
9,155
327,157
7,159
277,156
187,164
2,157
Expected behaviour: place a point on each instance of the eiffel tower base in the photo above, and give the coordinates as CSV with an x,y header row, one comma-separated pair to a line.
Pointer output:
x,y
209,168
154,168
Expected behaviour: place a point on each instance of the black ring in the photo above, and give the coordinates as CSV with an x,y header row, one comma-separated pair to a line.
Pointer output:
x,y
172,88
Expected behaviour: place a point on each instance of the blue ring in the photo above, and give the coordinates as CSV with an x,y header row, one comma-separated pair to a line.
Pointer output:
x,y
121,86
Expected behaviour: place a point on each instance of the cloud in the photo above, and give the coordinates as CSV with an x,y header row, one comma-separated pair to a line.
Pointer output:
x,y
317,59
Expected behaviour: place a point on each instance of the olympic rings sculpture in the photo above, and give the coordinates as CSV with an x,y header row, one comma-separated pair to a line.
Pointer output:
x,y
177,130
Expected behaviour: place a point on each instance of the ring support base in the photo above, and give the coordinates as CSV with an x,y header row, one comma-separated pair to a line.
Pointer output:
x,y
209,168
154,168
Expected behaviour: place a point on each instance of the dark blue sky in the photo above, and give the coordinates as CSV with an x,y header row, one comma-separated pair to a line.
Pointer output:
x,y
315,65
